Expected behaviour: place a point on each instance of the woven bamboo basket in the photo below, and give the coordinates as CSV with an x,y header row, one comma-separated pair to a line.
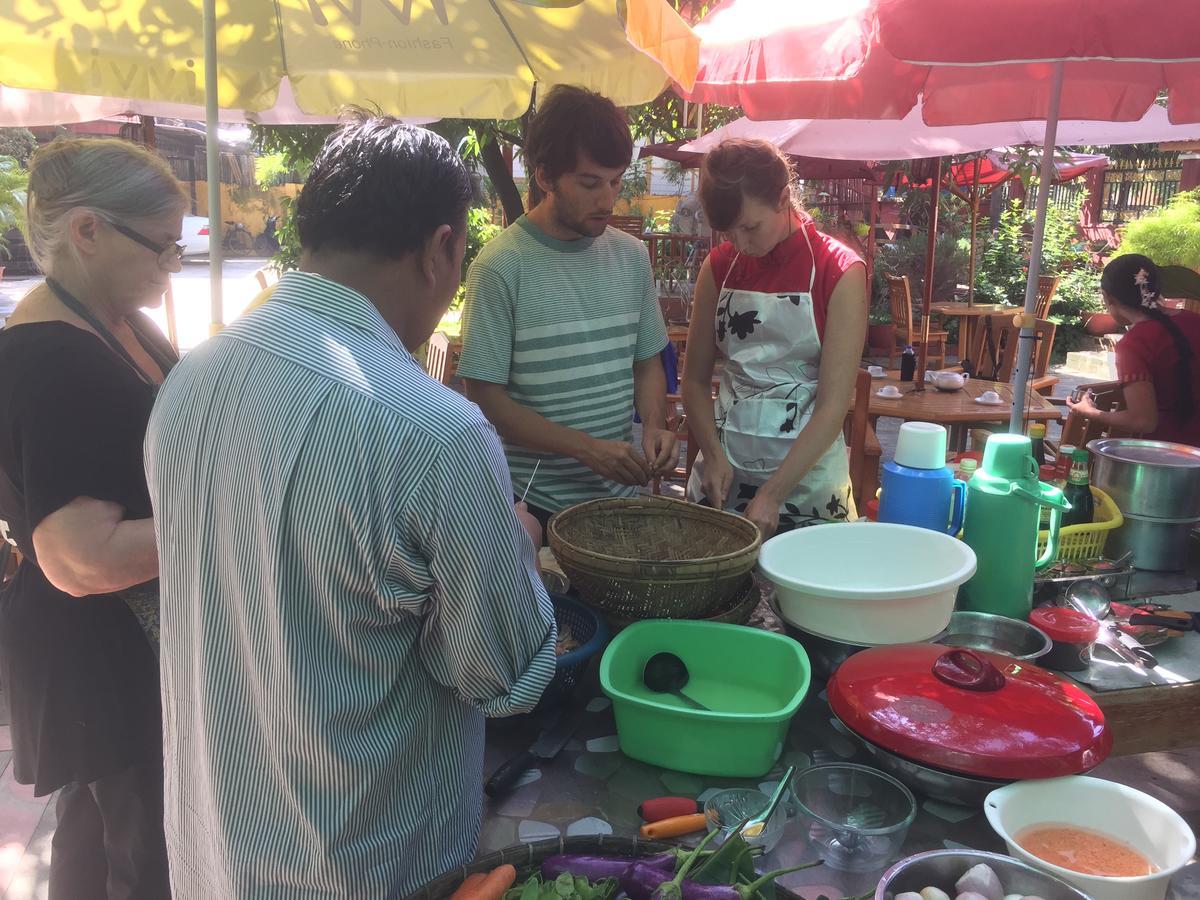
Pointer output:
x,y
527,856
737,612
654,558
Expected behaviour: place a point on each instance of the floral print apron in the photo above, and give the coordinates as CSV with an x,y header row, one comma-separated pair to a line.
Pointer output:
x,y
773,357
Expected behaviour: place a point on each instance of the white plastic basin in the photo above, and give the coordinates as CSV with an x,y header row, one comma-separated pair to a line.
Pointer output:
x,y
867,582
1148,825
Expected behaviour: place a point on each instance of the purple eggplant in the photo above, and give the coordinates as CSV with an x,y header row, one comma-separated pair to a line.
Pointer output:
x,y
597,868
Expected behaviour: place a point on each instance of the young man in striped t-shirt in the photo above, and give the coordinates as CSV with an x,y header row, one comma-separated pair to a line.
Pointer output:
x,y
562,329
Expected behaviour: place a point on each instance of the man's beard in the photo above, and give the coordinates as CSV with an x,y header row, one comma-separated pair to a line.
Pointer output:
x,y
582,225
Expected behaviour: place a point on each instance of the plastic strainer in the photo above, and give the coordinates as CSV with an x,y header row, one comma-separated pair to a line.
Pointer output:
x,y
857,816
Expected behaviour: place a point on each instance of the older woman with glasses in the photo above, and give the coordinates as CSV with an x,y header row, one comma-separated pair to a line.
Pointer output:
x,y
79,367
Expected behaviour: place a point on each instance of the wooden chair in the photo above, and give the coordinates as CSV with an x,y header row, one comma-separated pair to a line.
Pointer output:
x,y
1004,337
863,444
1109,396
266,276
907,331
441,357
629,224
677,422
1047,285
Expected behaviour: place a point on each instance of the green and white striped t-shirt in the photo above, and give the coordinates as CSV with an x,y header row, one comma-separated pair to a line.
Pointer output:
x,y
560,325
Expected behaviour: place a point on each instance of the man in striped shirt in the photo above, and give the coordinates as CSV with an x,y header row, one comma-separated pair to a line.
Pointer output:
x,y
562,329
346,591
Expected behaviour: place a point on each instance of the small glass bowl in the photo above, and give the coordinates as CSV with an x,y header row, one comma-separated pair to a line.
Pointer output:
x,y
857,816
730,808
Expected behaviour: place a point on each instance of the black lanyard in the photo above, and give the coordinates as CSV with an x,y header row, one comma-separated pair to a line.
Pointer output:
x,y
73,304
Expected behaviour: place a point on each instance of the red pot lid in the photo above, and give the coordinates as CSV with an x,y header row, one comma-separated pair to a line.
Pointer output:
x,y
969,712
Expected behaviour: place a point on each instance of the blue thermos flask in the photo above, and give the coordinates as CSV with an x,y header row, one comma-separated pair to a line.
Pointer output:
x,y
917,488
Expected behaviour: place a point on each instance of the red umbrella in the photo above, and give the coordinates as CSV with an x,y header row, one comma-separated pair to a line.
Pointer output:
x,y
1030,59
781,59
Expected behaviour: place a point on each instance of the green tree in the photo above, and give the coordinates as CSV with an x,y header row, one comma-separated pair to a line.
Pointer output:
x,y
14,181
1170,236
19,143
1004,266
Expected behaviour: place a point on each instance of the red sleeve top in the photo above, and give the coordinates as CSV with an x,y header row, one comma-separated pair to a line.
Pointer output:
x,y
1148,353
788,268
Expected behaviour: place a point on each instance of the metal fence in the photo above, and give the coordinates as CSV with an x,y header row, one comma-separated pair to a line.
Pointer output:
x,y
1135,187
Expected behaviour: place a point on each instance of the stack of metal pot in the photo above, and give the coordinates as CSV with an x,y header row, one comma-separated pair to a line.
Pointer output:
x,y
1156,485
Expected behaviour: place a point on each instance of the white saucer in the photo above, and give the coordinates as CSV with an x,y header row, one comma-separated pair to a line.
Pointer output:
x,y
880,375
884,396
999,401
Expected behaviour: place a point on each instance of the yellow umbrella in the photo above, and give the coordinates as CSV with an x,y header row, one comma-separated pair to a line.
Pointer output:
x,y
409,58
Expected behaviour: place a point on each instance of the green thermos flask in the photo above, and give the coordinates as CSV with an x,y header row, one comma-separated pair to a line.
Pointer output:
x,y
1004,501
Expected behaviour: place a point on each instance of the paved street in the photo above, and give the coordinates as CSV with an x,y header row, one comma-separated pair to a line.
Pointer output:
x,y
191,296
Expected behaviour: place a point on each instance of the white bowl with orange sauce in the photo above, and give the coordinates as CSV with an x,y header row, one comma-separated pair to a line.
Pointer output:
x,y
1095,811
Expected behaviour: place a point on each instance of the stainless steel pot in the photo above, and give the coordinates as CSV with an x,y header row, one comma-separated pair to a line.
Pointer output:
x,y
937,784
942,868
1153,479
1159,545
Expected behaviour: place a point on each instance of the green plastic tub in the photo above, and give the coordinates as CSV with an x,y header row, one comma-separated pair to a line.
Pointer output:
x,y
753,682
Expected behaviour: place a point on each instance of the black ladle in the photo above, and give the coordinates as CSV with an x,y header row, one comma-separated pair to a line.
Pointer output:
x,y
666,673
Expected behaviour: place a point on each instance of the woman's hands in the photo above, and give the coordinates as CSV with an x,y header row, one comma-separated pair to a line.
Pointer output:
x,y
763,511
717,480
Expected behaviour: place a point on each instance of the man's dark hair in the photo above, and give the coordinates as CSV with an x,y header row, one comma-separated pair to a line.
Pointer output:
x,y
381,187
570,120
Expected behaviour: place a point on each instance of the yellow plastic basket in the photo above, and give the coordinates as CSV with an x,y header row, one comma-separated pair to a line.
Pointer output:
x,y
1078,542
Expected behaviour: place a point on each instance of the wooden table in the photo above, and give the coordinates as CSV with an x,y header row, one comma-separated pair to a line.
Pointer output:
x,y
969,314
954,409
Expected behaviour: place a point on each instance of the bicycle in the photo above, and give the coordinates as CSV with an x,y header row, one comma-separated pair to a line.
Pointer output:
x,y
237,239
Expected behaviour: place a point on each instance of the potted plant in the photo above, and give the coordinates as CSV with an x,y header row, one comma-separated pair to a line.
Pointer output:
x,y
13,182
881,331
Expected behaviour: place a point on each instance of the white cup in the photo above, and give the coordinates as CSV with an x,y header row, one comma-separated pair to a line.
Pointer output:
x,y
921,445
875,371
989,396
889,390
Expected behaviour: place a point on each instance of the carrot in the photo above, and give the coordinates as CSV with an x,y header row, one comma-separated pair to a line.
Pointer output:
x,y
491,887
469,886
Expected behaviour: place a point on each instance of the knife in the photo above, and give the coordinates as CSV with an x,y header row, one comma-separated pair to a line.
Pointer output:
x,y
1127,648
1148,659
544,749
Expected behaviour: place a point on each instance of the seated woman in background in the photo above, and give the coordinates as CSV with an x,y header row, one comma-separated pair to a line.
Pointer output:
x,y
1156,358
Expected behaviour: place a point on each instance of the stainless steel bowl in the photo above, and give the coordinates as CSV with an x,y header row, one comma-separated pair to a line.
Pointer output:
x,y
824,655
997,634
942,868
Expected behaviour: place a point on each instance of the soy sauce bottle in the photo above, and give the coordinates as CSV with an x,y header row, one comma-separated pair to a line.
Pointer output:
x,y
1037,438
908,364
1079,492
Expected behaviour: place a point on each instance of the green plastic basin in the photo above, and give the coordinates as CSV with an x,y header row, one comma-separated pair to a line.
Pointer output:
x,y
753,682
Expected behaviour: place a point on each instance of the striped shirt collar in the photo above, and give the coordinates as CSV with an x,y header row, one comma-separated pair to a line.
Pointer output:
x,y
331,299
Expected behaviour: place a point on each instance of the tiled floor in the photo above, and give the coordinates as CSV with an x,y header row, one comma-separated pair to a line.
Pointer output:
x,y
26,828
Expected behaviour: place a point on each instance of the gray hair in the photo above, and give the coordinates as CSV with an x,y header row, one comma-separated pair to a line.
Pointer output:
x,y
114,179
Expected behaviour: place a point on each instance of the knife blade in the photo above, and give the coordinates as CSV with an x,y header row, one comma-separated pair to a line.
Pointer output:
x,y
1135,647
1111,637
544,749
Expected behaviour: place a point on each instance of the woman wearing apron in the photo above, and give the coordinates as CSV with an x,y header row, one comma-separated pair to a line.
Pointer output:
x,y
786,308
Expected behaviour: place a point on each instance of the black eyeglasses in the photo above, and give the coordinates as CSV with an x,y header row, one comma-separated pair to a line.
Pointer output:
x,y
167,253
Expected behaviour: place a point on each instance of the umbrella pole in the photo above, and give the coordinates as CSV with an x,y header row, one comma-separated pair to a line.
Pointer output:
x,y
872,218
212,149
974,229
1027,338
935,190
